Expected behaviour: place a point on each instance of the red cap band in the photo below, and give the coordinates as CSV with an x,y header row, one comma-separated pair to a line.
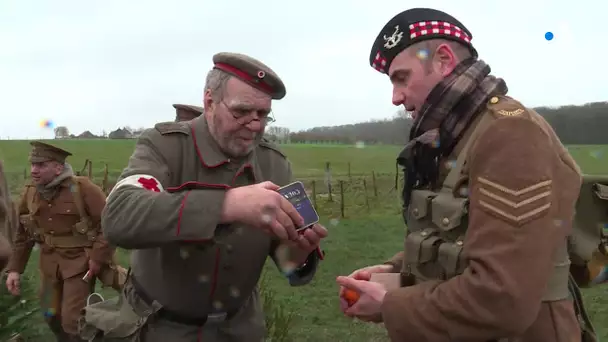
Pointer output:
x,y
244,76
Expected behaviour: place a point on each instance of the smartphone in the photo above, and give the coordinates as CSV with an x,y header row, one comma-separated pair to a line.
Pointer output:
x,y
296,195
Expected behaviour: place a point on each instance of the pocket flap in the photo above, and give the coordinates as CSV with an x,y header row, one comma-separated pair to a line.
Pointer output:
x,y
450,258
420,246
419,204
447,211
25,219
601,191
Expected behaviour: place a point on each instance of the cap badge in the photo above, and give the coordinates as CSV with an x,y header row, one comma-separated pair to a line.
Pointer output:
x,y
394,39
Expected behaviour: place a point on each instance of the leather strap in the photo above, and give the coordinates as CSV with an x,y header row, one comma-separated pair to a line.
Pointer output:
x,y
174,316
66,241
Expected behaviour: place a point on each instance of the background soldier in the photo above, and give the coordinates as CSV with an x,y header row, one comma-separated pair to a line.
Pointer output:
x,y
187,112
6,208
198,204
489,206
62,213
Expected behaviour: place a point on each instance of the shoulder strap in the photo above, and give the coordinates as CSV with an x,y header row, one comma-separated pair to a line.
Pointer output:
x,y
265,143
454,175
30,200
78,200
171,127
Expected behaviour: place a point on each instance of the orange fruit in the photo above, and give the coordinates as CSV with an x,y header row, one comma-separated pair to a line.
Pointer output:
x,y
350,296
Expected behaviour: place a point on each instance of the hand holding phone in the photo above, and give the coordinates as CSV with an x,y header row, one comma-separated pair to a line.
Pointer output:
x,y
295,193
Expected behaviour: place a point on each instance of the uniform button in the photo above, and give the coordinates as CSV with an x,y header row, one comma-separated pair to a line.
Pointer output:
x,y
415,211
184,253
459,243
445,221
50,219
234,292
52,232
50,205
218,305
203,278
68,211
494,100
424,233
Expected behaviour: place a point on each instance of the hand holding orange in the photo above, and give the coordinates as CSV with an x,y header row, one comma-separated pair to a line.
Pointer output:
x,y
351,296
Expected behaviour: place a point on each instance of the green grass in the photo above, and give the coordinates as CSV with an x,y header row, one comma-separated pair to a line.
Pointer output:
x,y
367,235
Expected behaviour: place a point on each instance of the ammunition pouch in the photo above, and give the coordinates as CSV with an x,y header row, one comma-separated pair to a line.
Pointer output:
x,y
588,243
83,228
437,223
31,227
120,319
436,226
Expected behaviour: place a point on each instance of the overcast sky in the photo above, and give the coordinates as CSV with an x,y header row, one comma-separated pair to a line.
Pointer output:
x,y
95,65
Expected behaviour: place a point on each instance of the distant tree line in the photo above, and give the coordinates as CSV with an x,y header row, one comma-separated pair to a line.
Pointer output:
x,y
576,125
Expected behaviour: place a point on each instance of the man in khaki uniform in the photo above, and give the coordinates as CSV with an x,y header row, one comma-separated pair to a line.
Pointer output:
x,y
6,208
488,205
187,112
62,213
198,205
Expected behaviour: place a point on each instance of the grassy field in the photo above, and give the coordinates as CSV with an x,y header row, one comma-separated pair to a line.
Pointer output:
x,y
370,232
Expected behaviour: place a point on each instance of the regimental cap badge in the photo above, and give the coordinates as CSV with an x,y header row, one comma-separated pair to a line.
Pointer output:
x,y
394,39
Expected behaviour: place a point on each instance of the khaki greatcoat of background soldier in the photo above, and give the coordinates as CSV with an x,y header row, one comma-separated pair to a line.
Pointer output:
x,y
198,206
489,205
62,213
6,214
187,112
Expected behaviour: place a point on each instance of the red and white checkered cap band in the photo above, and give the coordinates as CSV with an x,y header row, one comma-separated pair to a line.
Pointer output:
x,y
379,63
423,28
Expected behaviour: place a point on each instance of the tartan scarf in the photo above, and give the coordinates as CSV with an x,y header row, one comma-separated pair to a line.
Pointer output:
x,y
446,114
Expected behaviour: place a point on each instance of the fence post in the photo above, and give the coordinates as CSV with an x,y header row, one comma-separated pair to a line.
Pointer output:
x,y
350,178
84,167
342,198
330,198
90,171
365,193
374,184
104,182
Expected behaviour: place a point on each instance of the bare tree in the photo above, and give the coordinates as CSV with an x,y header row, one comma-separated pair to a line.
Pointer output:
x,y
278,134
61,132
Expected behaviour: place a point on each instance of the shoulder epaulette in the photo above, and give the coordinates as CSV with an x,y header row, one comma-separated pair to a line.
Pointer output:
x,y
80,179
171,127
504,106
265,143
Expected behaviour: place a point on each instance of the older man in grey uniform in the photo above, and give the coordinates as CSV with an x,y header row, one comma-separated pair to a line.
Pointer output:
x,y
199,207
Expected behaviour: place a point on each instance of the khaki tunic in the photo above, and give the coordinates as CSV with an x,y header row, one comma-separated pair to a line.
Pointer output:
x,y
509,249
6,209
63,291
166,206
